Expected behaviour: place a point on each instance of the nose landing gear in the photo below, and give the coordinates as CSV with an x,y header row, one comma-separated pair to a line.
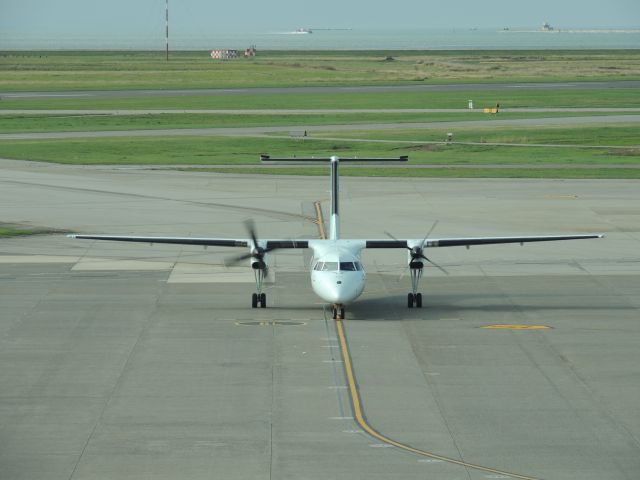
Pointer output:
x,y
337,312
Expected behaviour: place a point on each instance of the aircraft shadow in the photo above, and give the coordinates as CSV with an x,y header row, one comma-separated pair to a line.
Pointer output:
x,y
453,306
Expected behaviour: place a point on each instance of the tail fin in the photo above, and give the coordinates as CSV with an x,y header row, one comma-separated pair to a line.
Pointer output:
x,y
334,225
334,222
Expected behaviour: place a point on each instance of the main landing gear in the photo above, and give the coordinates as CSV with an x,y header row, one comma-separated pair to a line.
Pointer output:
x,y
259,299
337,312
414,299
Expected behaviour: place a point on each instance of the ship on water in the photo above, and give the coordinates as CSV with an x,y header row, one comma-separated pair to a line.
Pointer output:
x,y
546,27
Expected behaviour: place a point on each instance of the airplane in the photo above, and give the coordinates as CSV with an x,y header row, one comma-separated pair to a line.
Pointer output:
x,y
337,274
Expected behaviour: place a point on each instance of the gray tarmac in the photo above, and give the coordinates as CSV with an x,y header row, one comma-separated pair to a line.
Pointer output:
x,y
136,361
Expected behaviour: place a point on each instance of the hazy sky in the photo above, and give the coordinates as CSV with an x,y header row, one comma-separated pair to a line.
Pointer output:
x,y
146,17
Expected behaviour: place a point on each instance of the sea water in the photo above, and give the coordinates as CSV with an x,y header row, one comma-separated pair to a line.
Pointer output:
x,y
351,39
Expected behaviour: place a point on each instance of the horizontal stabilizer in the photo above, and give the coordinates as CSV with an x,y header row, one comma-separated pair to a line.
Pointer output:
x,y
268,158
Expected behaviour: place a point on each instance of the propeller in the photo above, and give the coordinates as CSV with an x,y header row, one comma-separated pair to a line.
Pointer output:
x,y
417,251
257,252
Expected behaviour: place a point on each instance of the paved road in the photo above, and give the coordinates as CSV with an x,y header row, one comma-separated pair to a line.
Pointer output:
x,y
295,90
260,131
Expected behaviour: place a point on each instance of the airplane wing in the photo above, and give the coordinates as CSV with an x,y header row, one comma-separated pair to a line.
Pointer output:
x,y
206,242
385,243
467,242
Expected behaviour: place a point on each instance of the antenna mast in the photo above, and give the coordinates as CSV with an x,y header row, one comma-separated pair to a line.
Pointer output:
x,y
166,17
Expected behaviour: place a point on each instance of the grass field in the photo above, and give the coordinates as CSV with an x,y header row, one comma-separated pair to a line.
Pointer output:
x,y
577,162
565,155
513,98
15,231
604,135
32,71
93,122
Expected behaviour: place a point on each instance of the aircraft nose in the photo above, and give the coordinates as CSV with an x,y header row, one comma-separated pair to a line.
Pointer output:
x,y
339,292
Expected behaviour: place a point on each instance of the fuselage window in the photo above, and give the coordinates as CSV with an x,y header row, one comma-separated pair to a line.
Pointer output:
x,y
330,267
348,266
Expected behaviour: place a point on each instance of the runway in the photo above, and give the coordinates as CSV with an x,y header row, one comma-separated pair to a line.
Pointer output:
x,y
126,361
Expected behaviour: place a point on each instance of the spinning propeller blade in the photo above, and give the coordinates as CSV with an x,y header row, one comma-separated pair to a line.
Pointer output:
x,y
257,252
417,252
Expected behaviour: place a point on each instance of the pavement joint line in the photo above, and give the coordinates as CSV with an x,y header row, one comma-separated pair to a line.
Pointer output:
x,y
361,420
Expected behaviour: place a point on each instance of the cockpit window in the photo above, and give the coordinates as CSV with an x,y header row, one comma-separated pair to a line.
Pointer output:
x,y
333,266
347,266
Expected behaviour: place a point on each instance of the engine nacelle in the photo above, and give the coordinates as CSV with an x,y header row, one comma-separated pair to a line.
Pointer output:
x,y
416,264
258,264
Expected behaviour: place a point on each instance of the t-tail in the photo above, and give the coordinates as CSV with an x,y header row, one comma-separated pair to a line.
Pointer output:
x,y
334,225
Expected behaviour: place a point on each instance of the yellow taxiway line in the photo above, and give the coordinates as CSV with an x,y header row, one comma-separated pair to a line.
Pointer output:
x,y
320,220
356,404
515,327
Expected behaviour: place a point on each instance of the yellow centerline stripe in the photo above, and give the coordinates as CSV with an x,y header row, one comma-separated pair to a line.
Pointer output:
x,y
356,404
515,327
320,220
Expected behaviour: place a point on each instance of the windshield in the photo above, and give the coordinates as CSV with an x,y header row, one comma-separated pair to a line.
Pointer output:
x,y
333,266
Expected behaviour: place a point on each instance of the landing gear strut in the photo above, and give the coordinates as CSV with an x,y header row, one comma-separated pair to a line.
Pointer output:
x,y
414,299
337,312
259,299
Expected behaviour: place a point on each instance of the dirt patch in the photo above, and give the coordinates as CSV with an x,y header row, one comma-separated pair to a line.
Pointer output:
x,y
627,152
427,147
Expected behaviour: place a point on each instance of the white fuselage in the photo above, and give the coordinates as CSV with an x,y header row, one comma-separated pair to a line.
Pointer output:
x,y
337,275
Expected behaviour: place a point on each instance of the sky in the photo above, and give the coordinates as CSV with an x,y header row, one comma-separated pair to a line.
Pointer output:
x,y
85,18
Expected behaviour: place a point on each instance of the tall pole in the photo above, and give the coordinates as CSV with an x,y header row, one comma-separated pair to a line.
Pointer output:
x,y
166,18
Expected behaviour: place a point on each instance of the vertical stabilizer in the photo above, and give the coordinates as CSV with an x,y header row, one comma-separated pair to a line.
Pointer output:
x,y
334,225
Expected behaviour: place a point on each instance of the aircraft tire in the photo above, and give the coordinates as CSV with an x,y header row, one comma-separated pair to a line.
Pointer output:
x,y
410,300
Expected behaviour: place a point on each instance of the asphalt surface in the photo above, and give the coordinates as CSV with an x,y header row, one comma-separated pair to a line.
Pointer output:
x,y
260,131
131,361
334,89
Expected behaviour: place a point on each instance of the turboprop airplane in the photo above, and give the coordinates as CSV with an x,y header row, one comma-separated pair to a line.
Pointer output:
x,y
337,275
